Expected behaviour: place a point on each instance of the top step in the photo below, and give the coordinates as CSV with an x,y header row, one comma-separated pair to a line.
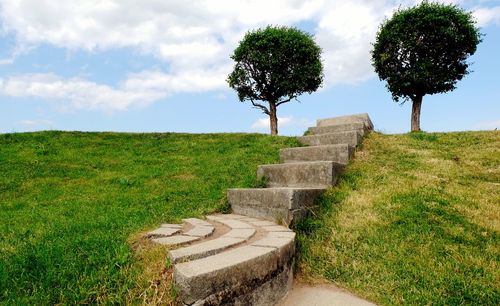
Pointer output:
x,y
364,118
343,127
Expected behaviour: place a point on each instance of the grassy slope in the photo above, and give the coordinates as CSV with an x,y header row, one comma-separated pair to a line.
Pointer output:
x,y
415,220
70,203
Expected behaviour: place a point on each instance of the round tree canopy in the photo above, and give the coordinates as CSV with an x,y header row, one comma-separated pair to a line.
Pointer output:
x,y
423,50
276,64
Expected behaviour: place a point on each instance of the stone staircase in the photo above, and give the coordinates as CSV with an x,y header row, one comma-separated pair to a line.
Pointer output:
x,y
247,257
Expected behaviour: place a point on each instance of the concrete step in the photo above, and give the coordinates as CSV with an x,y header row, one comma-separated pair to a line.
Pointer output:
x,y
192,230
364,118
246,258
258,272
283,205
334,128
239,232
301,174
352,138
341,154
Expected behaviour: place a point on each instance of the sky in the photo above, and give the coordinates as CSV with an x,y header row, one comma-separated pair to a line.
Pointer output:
x,y
161,66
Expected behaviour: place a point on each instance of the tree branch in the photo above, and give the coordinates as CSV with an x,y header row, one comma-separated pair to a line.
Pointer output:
x,y
264,109
287,100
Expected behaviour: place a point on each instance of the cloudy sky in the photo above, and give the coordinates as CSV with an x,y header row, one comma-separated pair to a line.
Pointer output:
x,y
161,65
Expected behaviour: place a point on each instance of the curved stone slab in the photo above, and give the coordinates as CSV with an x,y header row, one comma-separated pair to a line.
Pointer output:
x,y
243,233
196,222
203,249
175,240
163,231
200,231
233,274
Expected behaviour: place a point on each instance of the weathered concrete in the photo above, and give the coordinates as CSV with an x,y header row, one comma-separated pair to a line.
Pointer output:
x,y
200,231
273,204
301,174
203,249
196,221
252,264
275,242
242,233
232,223
262,223
280,215
281,234
233,274
343,127
163,231
364,118
339,153
271,292
175,240
323,295
276,228
352,138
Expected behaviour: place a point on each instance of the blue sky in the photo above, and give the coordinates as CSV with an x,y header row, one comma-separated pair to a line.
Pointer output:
x,y
160,66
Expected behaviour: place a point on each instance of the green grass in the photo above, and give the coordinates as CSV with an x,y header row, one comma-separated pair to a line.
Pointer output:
x,y
415,220
73,206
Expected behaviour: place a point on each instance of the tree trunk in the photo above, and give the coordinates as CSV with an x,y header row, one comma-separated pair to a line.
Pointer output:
x,y
273,118
415,113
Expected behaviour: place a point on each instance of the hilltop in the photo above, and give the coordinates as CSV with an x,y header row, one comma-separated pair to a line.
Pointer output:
x,y
414,220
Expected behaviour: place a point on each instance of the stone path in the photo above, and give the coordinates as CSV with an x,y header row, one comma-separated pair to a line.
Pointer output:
x,y
247,257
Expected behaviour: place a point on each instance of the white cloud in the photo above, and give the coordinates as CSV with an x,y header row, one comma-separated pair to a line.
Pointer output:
x,y
283,122
35,122
197,35
137,90
193,38
487,16
264,124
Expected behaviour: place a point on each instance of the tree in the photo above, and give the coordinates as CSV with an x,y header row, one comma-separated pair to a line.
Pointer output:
x,y
275,65
423,50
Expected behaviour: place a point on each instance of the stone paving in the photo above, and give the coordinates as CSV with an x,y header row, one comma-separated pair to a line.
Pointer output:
x,y
247,257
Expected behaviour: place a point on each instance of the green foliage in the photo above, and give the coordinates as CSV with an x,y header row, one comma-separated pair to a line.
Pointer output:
x,y
276,64
71,202
423,50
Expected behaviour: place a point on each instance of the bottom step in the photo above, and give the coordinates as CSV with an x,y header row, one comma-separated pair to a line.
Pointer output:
x,y
253,268
257,274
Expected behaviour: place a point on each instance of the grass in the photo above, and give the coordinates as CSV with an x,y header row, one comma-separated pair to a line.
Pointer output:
x,y
415,220
73,207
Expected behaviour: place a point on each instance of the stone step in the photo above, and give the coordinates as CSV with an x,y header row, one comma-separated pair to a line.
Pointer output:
x,y
246,258
340,153
192,230
203,249
352,138
301,174
286,204
334,128
175,240
364,118
257,273
240,232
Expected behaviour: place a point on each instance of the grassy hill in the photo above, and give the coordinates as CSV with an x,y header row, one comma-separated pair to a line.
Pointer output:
x,y
415,219
72,204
